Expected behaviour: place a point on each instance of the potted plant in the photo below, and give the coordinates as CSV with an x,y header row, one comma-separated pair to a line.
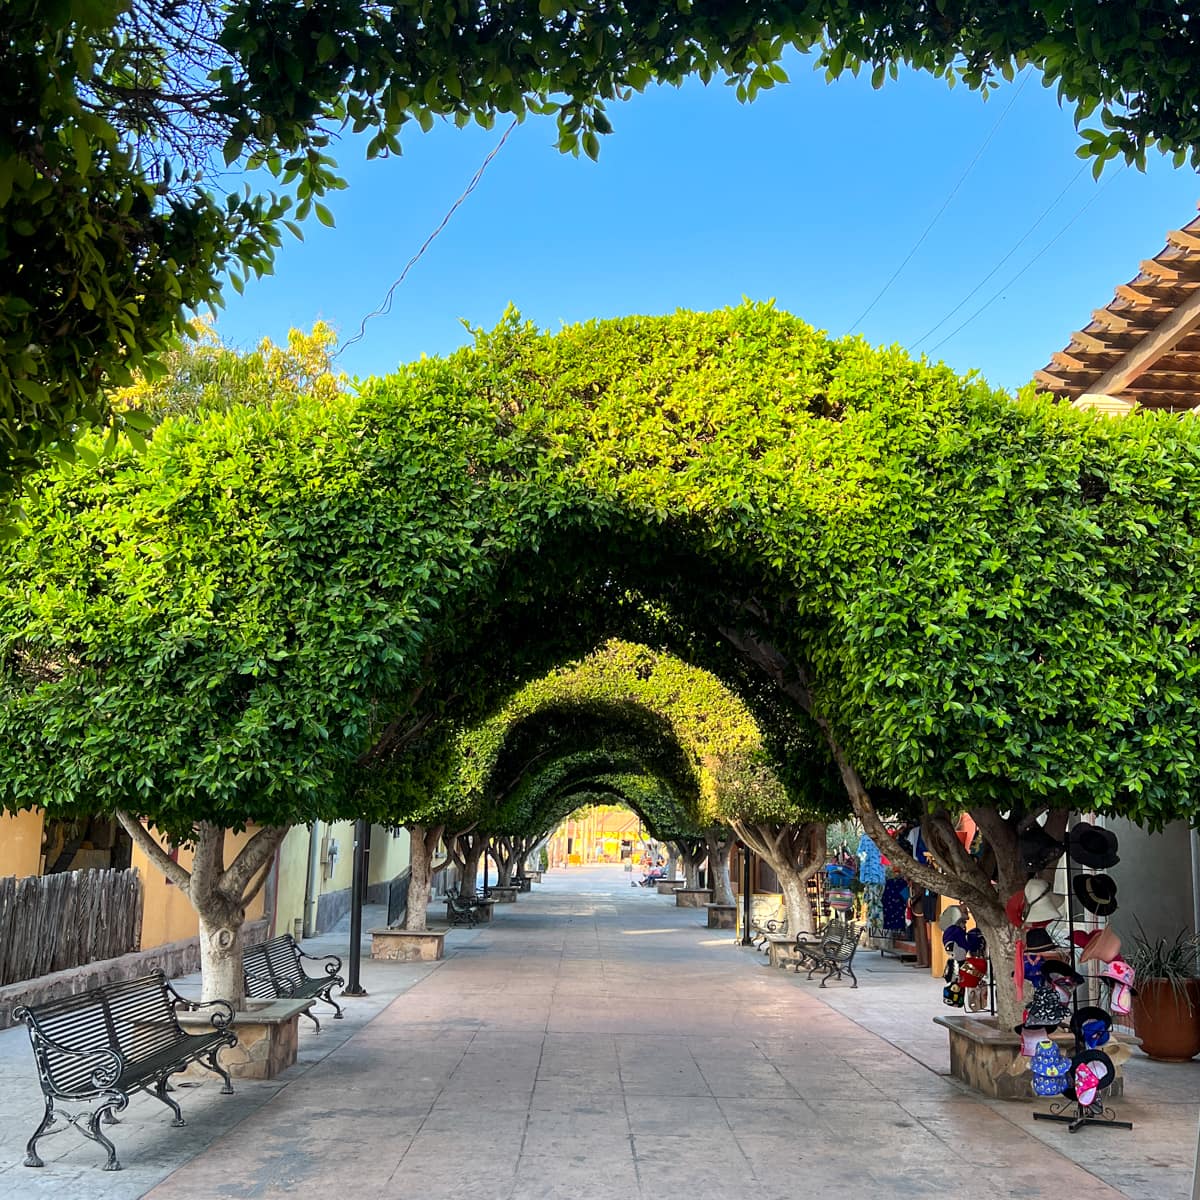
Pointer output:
x,y
1166,1004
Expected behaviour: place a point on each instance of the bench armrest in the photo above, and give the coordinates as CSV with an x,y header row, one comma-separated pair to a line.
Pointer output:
x,y
109,1063
333,964
220,1019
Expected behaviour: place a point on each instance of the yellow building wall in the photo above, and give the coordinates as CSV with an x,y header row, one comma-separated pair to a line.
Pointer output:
x,y
292,880
390,854
167,914
21,844
343,871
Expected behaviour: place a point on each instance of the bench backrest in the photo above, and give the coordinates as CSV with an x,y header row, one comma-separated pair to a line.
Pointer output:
x,y
134,1017
271,963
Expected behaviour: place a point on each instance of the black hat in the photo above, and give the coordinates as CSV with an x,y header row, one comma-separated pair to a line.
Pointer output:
x,y
1100,1063
1097,893
1038,849
1038,941
1092,1025
1066,972
1092,846
1045,1011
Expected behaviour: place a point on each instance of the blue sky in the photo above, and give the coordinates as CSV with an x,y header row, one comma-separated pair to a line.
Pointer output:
x,y
813,195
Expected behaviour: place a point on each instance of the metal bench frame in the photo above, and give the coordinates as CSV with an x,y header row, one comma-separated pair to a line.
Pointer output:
x,y
110,1042
761,933
835,954
460,911
274,970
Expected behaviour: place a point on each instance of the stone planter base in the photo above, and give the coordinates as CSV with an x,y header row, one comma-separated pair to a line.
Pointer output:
x,y
781,950
267,1037
692,897
526,884
408,945
983,1056
536,876
722,916
505,895
666,887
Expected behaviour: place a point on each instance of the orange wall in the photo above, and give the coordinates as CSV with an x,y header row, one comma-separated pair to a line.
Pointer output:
x,y
21,844
167,914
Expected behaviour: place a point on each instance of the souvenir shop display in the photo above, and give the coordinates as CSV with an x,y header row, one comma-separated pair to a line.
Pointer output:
x,y
1075,1082
967,977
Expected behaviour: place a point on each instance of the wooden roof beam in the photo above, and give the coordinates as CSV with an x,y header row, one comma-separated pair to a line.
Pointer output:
x,y
1126,292
1168,272
1091,343
1151,348
1053,382
1185,241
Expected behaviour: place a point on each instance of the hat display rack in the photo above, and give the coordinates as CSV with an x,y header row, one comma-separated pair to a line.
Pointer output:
x,y
1069,1109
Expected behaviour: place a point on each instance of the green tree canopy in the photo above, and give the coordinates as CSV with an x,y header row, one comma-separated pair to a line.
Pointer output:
x,y
122,121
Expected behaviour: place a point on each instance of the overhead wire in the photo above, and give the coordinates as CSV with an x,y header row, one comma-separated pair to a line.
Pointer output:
x,y
1012,250
1004,287
945,204
385,306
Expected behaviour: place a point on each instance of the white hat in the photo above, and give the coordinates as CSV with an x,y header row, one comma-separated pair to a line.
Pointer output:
x,y
951,916
1044,904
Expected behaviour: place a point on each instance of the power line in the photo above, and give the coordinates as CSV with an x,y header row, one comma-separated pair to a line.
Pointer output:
x,y
1015,247
386,306
945,204
1001,290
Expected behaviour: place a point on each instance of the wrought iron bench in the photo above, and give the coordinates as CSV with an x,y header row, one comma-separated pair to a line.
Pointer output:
x,y
810,948
460,911
274,971
105,1044
762,931
837,955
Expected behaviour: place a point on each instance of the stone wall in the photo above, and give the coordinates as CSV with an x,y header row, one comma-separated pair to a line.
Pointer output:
x,y
331,908
174,958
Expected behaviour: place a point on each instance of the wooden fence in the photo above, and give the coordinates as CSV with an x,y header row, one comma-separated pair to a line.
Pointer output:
x,y
52,922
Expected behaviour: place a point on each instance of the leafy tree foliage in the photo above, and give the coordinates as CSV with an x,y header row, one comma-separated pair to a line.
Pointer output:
x,y
122,117
979,603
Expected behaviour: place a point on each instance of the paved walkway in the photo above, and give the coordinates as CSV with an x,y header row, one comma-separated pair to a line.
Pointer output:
x,y
597,1042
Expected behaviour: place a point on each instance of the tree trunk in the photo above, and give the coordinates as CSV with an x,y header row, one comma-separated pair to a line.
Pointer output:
x,y
719,851
502,852
672,860
422,840
795,898
795,853
221,951
1001,944
466,850
219,894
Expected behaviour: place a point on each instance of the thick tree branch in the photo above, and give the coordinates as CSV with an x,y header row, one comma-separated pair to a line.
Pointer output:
x,y
151,848
771,662
259,850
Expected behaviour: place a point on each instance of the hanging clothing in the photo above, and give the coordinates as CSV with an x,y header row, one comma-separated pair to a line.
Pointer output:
x,y
895,905
870,869
873,895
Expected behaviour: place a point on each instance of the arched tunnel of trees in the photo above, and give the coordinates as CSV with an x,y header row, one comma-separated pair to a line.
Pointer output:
x,y
845,580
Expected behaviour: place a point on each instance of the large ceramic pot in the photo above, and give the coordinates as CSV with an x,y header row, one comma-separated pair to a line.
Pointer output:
x,y
1167,1020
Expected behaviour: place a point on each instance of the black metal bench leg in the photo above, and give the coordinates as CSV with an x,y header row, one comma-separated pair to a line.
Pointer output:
x,y
337,1014
850,972
160,1093
93,1131
210,1061
32,1158
309,1014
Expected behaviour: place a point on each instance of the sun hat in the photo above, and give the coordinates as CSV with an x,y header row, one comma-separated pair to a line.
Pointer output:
x,y
1051,1069
1044,904
1091,846
952,994
1031,1039
1038,941
1121,975
1061,975
1097,893
1091,1072
1046,1010
950,917
1103,947
1037,848
1092,1025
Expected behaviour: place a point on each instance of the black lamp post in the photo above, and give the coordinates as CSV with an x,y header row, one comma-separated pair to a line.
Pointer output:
x,y
747,940
362,832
